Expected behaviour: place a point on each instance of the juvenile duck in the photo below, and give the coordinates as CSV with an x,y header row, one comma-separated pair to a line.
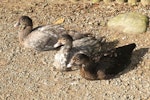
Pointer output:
x,y
41,38
104,65
88,45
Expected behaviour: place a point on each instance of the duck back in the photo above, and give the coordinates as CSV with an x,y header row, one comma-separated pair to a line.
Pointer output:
x,y
123,54
87,44
116,60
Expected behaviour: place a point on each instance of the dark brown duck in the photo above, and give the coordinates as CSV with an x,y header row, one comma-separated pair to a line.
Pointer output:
x,y
103,65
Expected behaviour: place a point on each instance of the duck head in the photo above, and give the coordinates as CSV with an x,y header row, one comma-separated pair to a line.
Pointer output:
x,y
64,40
24,21
80,60
25,26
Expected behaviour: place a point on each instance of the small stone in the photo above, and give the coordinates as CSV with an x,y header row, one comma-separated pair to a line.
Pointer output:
x,y
145,2
120,1
123,38
74,1
107,1
133,23
44,61
90,23
132,2
95,1
107,82
103,23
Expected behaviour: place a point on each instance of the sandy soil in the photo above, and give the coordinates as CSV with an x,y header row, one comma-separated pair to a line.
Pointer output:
x,y
27,75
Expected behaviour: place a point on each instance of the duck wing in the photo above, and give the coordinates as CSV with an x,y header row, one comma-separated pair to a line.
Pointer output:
x,y
53,30
39,41
51,33
88,45
123,53
58,30
76,35
116,60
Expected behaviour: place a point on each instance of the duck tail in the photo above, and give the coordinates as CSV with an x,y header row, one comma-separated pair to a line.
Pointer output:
x,y
124,53
127,49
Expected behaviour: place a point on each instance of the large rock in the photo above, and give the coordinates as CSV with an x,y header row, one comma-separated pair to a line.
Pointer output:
x,y
133,23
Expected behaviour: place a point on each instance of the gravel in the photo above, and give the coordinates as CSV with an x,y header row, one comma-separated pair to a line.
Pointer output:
x,y
27,74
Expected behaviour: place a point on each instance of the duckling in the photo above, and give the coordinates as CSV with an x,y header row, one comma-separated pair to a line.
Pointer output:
x,y
103,65
41,38
89,45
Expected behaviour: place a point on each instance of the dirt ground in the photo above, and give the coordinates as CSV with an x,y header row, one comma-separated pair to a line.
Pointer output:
x,y
26,74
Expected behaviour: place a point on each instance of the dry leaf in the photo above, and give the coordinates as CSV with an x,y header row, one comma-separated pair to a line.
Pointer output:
x,y
59,21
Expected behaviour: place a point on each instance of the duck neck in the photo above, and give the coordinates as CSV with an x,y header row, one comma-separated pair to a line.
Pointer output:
x,y
24,33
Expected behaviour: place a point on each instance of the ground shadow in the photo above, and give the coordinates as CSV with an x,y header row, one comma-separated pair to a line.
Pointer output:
x,y
137,57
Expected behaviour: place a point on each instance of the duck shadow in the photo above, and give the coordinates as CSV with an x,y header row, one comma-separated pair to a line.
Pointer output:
x,y
136,58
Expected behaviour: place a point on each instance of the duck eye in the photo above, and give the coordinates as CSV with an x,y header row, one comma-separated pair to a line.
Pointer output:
x,y
63,39
23,19
77,59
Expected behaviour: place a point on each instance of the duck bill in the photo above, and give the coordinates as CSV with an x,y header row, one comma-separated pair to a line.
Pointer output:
x,y
57,44
17,24
72,66
69,65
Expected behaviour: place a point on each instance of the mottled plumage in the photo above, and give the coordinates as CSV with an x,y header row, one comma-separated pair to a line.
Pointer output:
x,y
88,45
103,65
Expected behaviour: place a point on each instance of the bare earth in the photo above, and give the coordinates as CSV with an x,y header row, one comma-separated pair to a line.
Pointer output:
x,y
28,75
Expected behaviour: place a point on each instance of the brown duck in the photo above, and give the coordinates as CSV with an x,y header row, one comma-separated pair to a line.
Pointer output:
x,y
103,65
41,38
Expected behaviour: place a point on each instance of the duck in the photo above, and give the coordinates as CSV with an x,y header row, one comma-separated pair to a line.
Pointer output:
x,y
103,65
41,38
89,45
